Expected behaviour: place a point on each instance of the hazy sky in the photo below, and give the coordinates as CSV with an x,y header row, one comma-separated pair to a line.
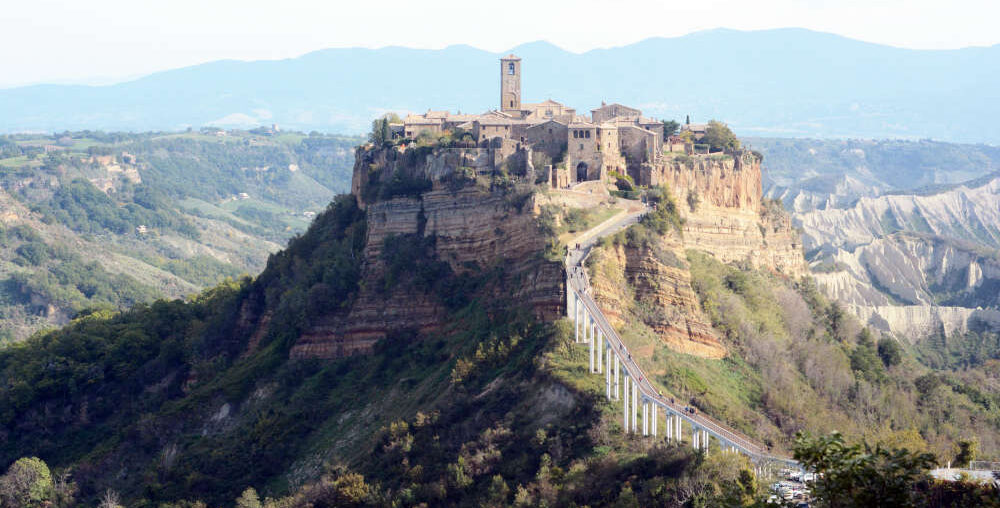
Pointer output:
x,y
96,41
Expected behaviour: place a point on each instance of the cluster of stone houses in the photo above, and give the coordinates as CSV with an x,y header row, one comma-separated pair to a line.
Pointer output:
x,y
613,137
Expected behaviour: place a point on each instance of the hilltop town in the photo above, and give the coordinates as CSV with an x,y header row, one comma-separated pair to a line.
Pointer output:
x,y
613,139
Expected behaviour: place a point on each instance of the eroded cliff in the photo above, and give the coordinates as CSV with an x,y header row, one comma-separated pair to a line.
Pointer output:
x,y
653,285
437,226
720,199
911,264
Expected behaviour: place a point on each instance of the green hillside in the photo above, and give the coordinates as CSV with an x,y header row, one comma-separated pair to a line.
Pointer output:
x,y
108,220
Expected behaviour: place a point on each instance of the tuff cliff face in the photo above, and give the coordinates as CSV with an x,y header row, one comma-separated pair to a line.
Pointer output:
x,y
653,284
472,221
717,180
447,216
720,199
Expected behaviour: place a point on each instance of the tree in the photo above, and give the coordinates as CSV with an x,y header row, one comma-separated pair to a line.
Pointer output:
x,y
27,483
670,128
498,492
248,499
865,360
379,128
111,499
890,352
967,451
381,133
860,475
719,137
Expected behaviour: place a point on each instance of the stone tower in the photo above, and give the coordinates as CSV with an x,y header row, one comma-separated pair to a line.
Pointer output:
x,y
510,84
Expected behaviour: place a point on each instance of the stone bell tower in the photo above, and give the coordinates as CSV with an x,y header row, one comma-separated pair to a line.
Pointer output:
x,y
510,84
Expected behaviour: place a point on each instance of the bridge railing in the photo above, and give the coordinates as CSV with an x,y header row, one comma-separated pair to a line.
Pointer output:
x,y
580,286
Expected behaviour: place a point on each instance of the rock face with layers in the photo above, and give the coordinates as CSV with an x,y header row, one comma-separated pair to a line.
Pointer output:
x,y
653,284
720,199
470,228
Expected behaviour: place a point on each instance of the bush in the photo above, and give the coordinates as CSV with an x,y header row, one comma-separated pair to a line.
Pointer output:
x,y
862,475
27,484
719,137
890,352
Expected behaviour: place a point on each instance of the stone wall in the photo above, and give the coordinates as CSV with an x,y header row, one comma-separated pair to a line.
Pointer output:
x,y
548,138
639,145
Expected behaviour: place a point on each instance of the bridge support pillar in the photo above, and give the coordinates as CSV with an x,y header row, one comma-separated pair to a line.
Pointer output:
x,y
695,436
704,440
626,407
645,418
669,427
679,428
618,363
654,420
600,351
593,343
607,372
635,405
590,344
576,317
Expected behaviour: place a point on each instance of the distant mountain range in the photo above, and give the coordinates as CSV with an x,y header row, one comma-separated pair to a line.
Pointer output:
x,y
784,82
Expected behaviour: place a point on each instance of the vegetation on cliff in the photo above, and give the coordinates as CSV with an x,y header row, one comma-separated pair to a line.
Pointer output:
x,y
196,400
799,362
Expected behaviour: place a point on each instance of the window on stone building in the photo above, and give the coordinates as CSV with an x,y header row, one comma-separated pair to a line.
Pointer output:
x,y
510,69
587,134
581,146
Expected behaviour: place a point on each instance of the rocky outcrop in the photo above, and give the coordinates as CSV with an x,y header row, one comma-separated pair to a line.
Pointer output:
x,y
764,240
653,284
721,181
720,199
470,227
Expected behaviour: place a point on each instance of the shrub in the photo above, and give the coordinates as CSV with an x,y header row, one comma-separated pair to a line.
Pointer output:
x,y
890,352
27,484
862,475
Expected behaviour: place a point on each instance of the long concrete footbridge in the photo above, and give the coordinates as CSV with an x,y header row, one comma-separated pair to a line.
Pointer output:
x,y
623,379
